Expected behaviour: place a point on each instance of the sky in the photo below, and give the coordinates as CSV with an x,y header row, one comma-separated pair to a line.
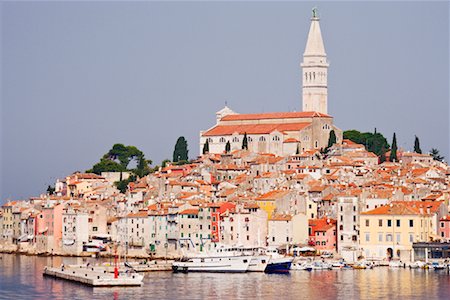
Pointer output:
x,y
78,77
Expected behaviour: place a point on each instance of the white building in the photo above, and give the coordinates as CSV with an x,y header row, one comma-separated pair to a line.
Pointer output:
x,y
75,231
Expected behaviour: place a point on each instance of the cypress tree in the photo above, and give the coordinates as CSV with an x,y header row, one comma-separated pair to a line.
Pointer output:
x,y
227,147
393,155
245,142
206,147
417,146
383,154
180,153
331,139
298,149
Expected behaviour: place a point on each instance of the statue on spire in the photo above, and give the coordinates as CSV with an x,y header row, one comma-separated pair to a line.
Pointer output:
x,y
314,12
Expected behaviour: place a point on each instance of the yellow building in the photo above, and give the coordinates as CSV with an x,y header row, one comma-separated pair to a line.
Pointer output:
x,y
390,230
268,201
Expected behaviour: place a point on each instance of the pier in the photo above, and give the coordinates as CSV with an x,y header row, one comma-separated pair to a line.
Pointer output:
x,y
94,276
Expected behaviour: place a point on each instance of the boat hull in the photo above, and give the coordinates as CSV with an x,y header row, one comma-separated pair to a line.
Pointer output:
x,y
214,264
279,265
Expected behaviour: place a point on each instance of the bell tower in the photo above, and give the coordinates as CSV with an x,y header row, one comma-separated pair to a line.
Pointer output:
x,y
315,70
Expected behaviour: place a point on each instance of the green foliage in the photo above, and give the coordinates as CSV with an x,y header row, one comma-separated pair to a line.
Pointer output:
x,y
181,150
106,165
206,147
298,149
50,190
436,155
227,147
374,142
119,157
331,139
393,155
245,142
164,163
123,184
417,145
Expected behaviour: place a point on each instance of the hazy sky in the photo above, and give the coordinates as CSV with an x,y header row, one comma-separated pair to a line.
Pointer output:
x,y
78,77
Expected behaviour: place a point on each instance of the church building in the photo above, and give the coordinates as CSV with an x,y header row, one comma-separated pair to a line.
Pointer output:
x,y
282,133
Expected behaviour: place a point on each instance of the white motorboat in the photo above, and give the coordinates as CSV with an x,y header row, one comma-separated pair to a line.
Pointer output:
x,y
320,265
395,264
222,259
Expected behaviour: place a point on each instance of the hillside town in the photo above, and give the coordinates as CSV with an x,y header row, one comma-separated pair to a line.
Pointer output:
x,y
289,180
344,203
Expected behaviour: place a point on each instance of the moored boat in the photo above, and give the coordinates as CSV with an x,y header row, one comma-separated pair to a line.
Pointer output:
x,y
278,263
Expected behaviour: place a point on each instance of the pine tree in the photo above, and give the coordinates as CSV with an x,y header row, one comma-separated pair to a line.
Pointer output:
x,y
331,139
206,147
298,149
227,147
393,156
417,146
245,142
180,153
435,154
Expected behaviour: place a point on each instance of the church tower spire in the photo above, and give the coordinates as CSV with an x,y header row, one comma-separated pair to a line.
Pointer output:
x,y
315,70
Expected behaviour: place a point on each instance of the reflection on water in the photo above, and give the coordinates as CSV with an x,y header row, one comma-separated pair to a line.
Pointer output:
x,y
21,278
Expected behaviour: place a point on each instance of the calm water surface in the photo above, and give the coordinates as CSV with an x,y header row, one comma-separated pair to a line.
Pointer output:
x,y
21,278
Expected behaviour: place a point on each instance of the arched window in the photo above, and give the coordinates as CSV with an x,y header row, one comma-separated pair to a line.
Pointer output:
x,y
276,138
235,139
249,139
222,140
262,139
210,140
314,75
316,144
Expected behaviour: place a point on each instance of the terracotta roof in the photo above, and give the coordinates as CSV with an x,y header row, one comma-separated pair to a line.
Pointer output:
x,y
272,195
275,115
254,128
290,140
281,218
191,211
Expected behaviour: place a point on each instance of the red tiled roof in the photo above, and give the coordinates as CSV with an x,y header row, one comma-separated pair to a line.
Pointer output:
x,y
254,128
191,211
275,115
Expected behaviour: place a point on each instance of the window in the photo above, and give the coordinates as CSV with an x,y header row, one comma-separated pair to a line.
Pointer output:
x,y
210,140
411,223
354,218
235,139
380,237
94,228
367,237
380,223
342,237
316,144
262,139
276,138
411,238
249,139
222,140
389,223
367,223
442,224
273,239
388,237
398,223
397,237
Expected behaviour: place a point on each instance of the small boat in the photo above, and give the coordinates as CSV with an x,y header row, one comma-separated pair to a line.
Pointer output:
x,y
361,265
320,265
395,264
437,266
278,263
339,265
301,265
417,265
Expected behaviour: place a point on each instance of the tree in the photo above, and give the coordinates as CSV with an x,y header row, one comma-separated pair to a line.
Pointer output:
x,y
417,146
180,153
245,142
122,185
227,147
164,163
331,139
393,155
298,149
373,142
436,155
206,147
50,190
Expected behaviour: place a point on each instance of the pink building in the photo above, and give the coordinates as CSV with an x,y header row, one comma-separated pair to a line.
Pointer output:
x,y
322,234
49,228
444,227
